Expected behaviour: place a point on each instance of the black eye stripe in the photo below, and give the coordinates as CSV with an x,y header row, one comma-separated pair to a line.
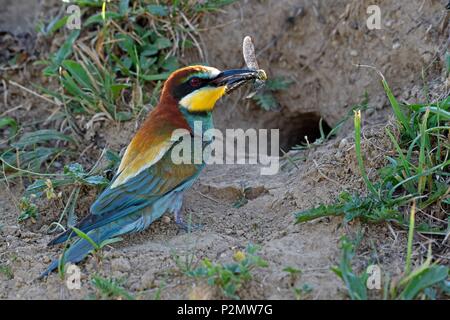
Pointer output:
x,y
186,87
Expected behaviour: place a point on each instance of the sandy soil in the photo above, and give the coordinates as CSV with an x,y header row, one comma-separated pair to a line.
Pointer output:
x,y
314,44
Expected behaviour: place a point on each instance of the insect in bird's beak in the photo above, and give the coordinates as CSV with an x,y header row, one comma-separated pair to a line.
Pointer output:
x,y
248,50
235,78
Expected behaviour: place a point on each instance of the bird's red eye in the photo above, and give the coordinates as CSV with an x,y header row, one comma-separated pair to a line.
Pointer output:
x,y
195,82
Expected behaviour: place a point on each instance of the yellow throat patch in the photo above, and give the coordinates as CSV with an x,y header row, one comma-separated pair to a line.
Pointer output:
x,y
203,100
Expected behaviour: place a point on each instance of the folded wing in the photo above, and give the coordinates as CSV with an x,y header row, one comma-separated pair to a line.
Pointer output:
x,y
146,173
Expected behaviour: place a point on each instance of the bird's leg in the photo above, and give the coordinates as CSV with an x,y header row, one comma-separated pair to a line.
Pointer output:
x,y
177,211
186,226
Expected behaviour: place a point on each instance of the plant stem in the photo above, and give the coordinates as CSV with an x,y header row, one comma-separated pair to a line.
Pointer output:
x,y
359,154
410,238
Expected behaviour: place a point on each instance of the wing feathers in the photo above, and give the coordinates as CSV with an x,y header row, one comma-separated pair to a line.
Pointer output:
x,y
152,155
146,173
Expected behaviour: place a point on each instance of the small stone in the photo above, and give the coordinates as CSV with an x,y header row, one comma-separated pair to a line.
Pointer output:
x,y
396,45
120,264
343,143
147,280
353,53
166,219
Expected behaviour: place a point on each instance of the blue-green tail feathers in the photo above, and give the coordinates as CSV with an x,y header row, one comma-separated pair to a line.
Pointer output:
x,y
128,223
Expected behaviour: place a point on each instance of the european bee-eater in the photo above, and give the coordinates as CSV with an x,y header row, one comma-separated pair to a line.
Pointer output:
x,y
147,183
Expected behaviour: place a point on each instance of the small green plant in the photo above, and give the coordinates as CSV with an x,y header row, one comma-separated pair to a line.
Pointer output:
x,y
158,292
229,278
28,210
136,45
75,177
350,206
55,60
53,26
355,284
6,270
421,282
422,279
185,263
90,87
245,194
242,199
302,292
110,288
10,124
293,272
97,247
266,98
26,155
299,292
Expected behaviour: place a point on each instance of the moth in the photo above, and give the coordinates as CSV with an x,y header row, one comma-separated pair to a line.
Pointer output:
x,y
248,50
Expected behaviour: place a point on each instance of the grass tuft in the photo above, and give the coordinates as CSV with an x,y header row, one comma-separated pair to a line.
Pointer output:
x,y
418,171
355,284
110,288
229,278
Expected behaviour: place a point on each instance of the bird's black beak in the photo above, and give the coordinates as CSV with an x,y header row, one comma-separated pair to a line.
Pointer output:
x,y
234,78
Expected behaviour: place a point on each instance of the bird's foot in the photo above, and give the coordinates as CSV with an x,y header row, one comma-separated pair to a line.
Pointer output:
x,y
190,227
187,226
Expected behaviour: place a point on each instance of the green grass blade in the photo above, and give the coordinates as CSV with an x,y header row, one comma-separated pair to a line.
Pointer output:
x,y
422,156
40,136
405,162
11,123
426,172
412,220
110,241
396,108
84,236
78,73
359,154
425,279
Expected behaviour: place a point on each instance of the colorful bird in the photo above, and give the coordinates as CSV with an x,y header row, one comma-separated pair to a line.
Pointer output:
x,y
147,183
